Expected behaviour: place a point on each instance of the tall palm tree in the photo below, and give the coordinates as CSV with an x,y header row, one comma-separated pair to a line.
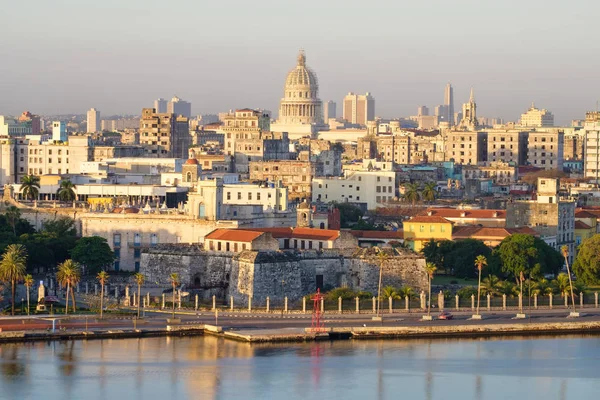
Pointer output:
x,y
66,191
12,217
411,193
382,257
12,267
561,284
429,191
430,269
28,281
102,278
565,252
480,262
30,186
139,279
68,275
174,278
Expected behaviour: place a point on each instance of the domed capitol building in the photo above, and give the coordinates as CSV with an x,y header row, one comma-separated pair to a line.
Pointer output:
x,y
300,109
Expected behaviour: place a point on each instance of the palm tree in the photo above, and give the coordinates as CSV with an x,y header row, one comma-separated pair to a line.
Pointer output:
x,y
542,287
561,283
406,291
12,267
382,257
102,278
30,186
28,281
565,252
489,285
411,193
12,217
69,275
390,291
139,279
174,278
66,191
429,191
430,269
480,262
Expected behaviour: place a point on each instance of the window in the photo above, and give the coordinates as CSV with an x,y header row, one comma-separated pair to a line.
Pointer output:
x,y
431,228
137,239
153,240
137,253
117,239
258,196
239,195
219,246
228,195
443,228
117,253
422,228
249,195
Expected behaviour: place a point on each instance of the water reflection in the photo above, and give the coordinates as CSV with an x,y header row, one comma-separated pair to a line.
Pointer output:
x,y
213,368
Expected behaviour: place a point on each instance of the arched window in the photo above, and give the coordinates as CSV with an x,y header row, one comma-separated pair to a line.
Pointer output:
x,y
188,177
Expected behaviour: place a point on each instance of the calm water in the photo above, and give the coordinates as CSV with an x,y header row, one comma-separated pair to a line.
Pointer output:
x,y
210,368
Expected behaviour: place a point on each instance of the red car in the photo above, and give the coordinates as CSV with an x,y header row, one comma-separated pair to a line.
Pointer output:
x,y
445,315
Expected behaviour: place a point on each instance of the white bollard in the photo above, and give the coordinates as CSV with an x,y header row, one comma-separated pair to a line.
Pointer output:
x,y
163,301
285,304
214,299
231,302
249,303
357,300
196,302
304,305
268,305
339,305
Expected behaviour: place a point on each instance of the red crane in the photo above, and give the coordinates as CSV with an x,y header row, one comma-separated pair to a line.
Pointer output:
x,y
317,316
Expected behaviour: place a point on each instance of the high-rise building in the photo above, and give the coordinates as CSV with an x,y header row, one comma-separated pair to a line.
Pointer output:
x,y
93,121
164,135
160,105
591,156
537,118
329,110
546,149
358,109
179,107
422,111
59,131
449,103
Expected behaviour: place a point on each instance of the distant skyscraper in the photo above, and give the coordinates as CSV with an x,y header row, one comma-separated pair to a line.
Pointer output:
x,y
160,105
93,121
179,107
449,103
329,110
441,112
358,109
422,111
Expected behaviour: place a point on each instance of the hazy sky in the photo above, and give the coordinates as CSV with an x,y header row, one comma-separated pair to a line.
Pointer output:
x,y
65,56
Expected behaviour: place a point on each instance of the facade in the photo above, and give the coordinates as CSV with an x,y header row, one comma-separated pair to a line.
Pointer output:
x,y
574,144
466,148
592,145
537,118
295,175
498,172
160,105
179,107
59,131
370,188
422,229
259,146
164,135
32,120
552,218
461,217
329,111
238,240
358,109
93,121
300,109
422,111
507,146
546,149
11,127
492,237
243,124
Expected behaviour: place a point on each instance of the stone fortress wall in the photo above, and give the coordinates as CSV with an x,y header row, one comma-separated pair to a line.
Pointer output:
x,y
279,274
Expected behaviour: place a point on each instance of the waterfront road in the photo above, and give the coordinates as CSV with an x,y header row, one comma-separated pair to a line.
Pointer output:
x,y
244,320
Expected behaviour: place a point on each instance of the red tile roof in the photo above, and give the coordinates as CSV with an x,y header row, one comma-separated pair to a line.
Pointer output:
x,y
429,219
457,213
300,233
378,234
233,235
581,225
464,232
579,213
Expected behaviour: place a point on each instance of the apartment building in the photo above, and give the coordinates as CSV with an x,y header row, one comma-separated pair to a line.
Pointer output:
x,y
466,147
164,135
295,175
546,149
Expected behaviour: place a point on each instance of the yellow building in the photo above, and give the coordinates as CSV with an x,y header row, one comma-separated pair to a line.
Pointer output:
x,y
421,229
585,226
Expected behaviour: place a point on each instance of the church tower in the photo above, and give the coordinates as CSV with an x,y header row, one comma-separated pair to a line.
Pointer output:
x,y
469,120
191,169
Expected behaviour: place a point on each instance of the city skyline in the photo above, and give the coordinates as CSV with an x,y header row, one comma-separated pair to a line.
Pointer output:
x,y
399,79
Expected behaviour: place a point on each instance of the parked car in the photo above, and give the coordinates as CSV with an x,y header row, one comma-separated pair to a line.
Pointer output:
x,y
445,315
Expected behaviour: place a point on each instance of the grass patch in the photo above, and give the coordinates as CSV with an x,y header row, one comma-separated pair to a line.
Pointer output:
x,y
451,280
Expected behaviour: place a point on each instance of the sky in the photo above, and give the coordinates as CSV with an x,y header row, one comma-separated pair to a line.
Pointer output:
x,y
66,56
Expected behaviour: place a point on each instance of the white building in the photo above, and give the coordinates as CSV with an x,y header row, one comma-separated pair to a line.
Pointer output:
x,y
592,145
59,131
93,121
362,187
534,117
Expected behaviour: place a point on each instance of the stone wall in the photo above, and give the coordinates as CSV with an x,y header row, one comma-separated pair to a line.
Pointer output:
x,y
278,274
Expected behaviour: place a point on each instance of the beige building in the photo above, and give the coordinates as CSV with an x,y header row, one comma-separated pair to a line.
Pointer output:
x,y
546,149
466,148
358,108
93,121
243,124
295,175
498,172
592,145
536,118
164,135
507,145
574,144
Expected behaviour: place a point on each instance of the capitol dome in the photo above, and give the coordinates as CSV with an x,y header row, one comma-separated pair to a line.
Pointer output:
x,y
300,104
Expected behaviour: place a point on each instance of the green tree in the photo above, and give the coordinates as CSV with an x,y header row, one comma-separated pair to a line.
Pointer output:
x,y
382,257
411,193
489,285
60,226
529,255
102,279
174,279
139,280
69,275
28,282
432,252
349,214
429,192
13,215
93,252
12,268
66,191
405,291
461,258
480,262
390,291
30,186
587,263
430,269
